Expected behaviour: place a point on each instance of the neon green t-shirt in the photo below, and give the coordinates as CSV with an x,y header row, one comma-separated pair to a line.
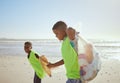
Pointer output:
x,y
70,60
36,65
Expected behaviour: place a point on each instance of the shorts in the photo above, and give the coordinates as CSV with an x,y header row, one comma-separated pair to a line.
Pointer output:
x,y
73,81
37,79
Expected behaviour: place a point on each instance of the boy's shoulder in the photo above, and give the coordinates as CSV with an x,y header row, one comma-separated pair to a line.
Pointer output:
x,y
35,53
37,56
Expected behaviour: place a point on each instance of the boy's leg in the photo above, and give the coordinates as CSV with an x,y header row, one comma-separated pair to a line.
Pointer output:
x,y
73,81
37,79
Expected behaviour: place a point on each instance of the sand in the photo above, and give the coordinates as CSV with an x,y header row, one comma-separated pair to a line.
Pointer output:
x,y
16,69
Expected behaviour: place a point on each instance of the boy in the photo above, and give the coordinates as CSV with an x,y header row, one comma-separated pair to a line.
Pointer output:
x,y
69,55
34,61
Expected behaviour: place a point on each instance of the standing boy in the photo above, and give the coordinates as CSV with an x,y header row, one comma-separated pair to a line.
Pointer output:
x,y
70,58
34,61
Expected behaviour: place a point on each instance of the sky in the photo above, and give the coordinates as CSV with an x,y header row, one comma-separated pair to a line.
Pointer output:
x,y
33,19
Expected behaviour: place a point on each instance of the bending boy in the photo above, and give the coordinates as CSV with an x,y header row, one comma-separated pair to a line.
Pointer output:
x,y
70,58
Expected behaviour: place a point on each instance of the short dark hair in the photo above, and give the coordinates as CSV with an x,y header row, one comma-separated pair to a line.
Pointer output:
x,y
28,43
59,25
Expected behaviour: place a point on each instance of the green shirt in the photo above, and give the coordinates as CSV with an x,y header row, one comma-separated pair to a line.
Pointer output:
x,y
34,61
70,60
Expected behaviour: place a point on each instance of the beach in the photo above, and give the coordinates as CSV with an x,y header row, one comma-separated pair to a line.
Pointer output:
x,y
56,29
16,69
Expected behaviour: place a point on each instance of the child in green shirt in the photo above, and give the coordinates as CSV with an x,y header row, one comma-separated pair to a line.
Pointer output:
x,y
70,58
34,61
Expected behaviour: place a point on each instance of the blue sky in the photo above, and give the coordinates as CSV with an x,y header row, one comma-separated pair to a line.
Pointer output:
x,y
33,19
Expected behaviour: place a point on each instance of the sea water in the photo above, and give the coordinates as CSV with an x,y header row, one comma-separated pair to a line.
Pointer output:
x,y
52,48
42,47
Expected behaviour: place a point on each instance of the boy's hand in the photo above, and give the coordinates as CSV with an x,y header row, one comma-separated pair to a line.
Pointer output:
x,y
71,33
50,65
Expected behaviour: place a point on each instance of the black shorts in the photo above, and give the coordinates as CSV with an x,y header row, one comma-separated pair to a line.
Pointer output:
x,y
37,79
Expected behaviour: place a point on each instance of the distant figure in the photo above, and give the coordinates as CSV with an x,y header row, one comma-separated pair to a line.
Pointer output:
x,y
34,60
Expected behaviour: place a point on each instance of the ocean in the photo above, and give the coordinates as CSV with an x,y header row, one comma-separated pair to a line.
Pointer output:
x,y
52,48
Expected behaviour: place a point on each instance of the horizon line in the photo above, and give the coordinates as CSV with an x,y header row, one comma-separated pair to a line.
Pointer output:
x,y
15,39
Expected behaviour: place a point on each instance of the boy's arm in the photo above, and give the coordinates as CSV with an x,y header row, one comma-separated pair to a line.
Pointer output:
x,y
51,65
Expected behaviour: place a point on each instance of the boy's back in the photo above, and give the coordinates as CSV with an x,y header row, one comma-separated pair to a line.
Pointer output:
x,y
70,59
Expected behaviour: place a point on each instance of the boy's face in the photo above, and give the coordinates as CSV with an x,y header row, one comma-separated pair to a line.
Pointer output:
x,y
27,48
60,34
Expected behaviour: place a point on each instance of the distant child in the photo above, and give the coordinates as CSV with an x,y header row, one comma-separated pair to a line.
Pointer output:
x,y
34,61
70,58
